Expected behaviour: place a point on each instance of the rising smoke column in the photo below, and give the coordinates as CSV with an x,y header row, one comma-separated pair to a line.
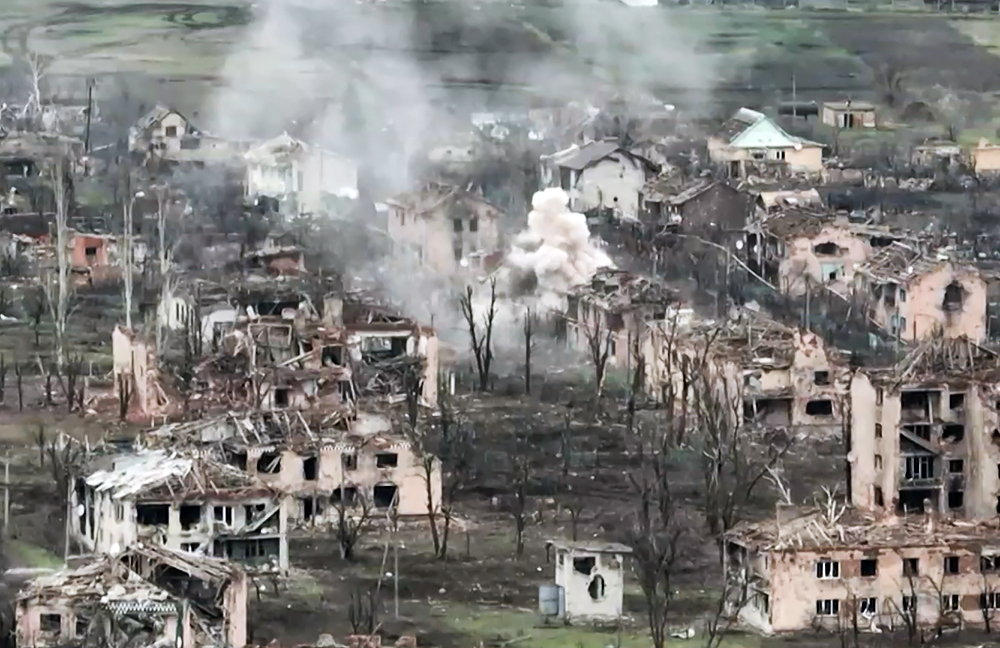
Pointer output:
x,y
556,252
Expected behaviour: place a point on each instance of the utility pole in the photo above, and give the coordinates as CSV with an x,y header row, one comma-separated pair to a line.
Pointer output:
x,y
395,576
90,112
6,495
795,108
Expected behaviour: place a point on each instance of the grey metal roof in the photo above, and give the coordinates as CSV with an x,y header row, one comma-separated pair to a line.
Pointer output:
x,y
589,154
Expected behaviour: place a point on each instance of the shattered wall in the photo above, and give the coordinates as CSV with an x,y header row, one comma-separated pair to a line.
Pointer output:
x,y
594,583
828,258
613,183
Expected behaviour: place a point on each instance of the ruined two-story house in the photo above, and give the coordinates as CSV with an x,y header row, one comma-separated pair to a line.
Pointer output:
x,y
323,463
609,315
840,569
152,594
183,501
924,433
446,228
764,372
913,294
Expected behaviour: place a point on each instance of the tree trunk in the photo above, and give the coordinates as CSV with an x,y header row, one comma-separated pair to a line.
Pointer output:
x,y
62,256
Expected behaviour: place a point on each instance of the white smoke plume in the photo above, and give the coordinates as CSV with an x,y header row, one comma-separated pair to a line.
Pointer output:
x,y
556,252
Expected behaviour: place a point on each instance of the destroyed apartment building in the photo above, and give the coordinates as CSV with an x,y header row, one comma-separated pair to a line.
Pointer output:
x,y
803,249
914,294
142,595
184,502
925,433
838,568
274,352
769,373
610,313
323,464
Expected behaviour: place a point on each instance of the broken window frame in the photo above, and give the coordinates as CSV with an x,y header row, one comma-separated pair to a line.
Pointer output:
x,y
824,413
386,460
911,566
918,467
827,607
46,625
821,377
349,460
827,569
868,606
951,564
869,561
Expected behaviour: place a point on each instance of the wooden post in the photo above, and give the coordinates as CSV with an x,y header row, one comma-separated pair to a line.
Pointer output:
x,y
6,495
395,576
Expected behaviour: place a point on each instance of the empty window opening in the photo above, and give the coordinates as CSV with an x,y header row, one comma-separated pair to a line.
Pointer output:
x,y
332,356
190,516
386,460
828,248
596,588
91,253
919,467
878,430
953,433
171,131
914,400
346,495
238,459
474,224
868,606
821,377
768,411
152,514
869,567
310,468
956,466
190,547
912,500
281,397
989,563
878,462
879,497
223,514
349,460
922,431
911,566
253,511
384,495
50,623
879,395
819,408
254,550
457,224
995,437
953,295
584,565
989,601
458,251
828,607
956,499
952,603
909,603
269,463
827,569
307,508
951,564
82,625
956,401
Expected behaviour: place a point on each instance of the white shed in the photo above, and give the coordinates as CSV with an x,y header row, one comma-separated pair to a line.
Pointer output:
x,y
591,576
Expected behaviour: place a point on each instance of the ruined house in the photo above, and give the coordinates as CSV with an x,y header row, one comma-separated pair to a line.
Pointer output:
x,y
602,175
94,258
299,175
803,249
184,502
322,463
924,433
985,157
694,203
144,595
610,314
765,372
446,228
913,295
843,569
589,579
136,373
849,114
750,136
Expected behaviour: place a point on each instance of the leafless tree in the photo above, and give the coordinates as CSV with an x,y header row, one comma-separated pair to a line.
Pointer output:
x,y
732,598
124,394
168,219
19,372
58,292
658,529
455,450
988,601
32,108
362,612
352,523
529,344
599,338
517,501
481,342
890,78
34,305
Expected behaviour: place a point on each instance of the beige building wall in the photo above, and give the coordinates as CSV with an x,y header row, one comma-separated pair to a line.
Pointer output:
x,y
924,312
795,588
434,239
986,159
805,158
836,270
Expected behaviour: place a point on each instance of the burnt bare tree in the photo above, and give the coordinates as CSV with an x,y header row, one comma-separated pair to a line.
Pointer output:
x,y
57,289
529,344
657,532
516,503
19,373
124,395
481,340
599,338
362,612
353,522
34,306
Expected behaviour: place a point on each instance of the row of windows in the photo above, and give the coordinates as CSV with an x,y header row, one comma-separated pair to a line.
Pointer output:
x,y
830,569
869,606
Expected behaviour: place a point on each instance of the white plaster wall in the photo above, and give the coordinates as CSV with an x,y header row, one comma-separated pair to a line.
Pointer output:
x,y
612,183
579,604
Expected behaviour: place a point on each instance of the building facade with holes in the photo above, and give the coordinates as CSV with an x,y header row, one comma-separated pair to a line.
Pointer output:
x,y
840,569
591,576
925,434
368,468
